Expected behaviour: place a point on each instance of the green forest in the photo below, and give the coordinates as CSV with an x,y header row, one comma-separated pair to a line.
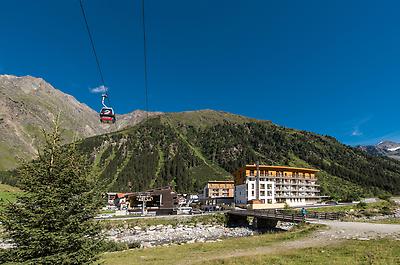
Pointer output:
x,y
186,150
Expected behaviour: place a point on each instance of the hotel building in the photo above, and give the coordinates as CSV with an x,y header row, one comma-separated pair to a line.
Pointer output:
x,y
219,189
273,186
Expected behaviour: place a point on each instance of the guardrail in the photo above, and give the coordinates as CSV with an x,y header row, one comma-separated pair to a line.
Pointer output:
x,y
288,216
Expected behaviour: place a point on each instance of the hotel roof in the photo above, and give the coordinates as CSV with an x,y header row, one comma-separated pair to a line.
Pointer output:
x,y
282,168
220,181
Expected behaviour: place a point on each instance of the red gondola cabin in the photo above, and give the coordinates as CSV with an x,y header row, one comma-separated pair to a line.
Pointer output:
x,y
107,115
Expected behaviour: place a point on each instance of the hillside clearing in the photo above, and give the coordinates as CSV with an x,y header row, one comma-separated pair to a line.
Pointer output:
x,y
8,193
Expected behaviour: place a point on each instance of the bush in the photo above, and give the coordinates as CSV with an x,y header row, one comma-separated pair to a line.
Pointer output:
x,y
386,210
362,205
385,197
112,246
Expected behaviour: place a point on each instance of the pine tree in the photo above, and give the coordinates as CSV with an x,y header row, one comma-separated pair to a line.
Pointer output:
x,y
52,222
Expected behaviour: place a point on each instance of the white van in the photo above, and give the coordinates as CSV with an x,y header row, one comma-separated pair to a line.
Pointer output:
x,y
184,210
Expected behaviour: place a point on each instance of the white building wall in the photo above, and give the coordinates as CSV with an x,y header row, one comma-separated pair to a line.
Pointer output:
x,y
267,191
284,193
241,194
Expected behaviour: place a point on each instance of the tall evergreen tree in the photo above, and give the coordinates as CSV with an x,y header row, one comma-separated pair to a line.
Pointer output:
x,y
52,221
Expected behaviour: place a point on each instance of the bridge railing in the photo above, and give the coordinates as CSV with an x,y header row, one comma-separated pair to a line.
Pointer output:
x,y
289,215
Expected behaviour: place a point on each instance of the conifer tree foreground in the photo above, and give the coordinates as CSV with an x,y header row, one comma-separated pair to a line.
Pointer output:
x,y
52,222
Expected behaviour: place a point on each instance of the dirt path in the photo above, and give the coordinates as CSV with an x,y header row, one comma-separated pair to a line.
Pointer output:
x,y
337,232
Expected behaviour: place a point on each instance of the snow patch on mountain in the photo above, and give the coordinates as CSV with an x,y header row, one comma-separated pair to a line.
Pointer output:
x,y
393,149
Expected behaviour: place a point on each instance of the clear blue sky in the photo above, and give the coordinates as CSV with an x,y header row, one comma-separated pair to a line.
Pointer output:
x,y
332,67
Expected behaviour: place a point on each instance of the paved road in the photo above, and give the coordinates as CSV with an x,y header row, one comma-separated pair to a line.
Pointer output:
x,y
129,217
337,232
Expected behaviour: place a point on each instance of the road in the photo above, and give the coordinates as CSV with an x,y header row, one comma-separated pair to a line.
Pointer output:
x,y
155,216
337,232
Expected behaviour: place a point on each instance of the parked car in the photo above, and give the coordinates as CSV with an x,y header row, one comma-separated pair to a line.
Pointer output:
x,y
184,210
105,216
197,211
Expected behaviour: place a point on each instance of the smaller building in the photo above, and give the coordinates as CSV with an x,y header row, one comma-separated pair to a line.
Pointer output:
x,y
219,189
217,195
161,201
111,196
116,201
121,202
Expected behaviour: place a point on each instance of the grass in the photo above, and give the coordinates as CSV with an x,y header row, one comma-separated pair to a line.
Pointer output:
x,y
191,252
390,220
204,118
218,218
107,211
384,251
345,208
332,209
7,159
8,193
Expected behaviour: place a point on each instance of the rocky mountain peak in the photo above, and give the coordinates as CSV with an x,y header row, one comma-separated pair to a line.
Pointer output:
x,y
388,146
29,104
383,148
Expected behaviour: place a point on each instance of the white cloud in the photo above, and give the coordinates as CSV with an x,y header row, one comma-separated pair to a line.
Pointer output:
x,y
356,128
99,89
356,132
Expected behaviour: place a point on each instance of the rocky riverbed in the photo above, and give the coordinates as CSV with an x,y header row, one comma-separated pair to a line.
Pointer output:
x,y
394,215
167,234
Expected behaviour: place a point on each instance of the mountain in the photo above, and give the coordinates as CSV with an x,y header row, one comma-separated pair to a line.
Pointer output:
x,y
187,149
28,105
144,150
385,148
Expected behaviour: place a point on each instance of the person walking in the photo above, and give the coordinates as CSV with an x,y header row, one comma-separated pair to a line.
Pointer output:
x,y
303,213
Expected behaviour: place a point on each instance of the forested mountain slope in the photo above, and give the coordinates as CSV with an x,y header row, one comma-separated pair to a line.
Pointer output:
x,y
187,149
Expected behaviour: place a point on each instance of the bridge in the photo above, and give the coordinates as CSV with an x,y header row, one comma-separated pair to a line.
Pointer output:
x,y
267,219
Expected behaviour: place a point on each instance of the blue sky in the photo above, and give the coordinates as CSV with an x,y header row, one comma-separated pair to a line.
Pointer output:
x,y
331,67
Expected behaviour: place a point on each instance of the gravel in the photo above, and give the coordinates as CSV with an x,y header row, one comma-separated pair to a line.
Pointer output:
x,y
167,235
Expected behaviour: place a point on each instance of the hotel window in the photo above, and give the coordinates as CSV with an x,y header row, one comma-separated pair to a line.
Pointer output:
x,y
262,193
252,186
252,193
269,201
262,186
251,172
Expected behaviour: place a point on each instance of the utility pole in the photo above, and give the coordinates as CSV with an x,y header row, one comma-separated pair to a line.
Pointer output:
x,y
258,182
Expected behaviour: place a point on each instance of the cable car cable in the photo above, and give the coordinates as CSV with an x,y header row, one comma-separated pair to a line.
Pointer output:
x,y
93,46
145,59
107,114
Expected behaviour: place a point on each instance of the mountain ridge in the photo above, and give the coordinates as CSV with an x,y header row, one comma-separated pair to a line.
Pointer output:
x,y
384,148
184,149
30,104
178,149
